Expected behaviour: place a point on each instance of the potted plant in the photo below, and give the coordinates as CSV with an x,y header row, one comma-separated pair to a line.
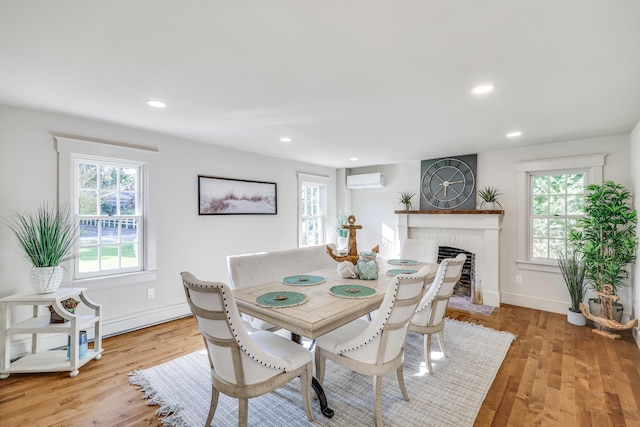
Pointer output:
x,y
606,238
47,237
573,271
405,199
343,233
489,196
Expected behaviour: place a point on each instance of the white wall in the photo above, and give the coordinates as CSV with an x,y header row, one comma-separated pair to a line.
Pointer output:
x,y
634,158
375,208
186,241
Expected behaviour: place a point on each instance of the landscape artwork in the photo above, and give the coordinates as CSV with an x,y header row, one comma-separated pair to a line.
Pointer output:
x,y
226,196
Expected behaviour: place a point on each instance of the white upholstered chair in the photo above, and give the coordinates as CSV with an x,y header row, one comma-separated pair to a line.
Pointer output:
x,y
419,250
243,365
377,347
429,317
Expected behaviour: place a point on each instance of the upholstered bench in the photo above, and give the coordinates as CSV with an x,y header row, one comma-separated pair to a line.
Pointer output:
x,y
255,269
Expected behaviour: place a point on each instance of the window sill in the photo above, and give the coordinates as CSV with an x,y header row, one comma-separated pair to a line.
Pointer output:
x,y
116,280
546,267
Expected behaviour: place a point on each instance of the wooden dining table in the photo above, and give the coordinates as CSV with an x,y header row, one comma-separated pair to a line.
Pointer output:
x,y
322,311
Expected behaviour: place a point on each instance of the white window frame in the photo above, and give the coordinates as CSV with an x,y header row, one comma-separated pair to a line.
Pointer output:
x,y
321,182
69,150
593,165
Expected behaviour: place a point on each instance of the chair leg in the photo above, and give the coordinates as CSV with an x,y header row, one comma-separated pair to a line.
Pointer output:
x,y
441,343
377,404
427,352
403,389
243,409
320,361
305,390
212,407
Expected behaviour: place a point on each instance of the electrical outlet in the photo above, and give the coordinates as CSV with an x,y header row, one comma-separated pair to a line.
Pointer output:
x,y
518,280
151,293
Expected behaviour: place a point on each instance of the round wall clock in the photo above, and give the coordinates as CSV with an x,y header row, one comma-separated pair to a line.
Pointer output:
x,y
448,183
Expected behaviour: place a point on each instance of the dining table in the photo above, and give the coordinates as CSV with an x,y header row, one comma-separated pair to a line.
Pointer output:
x,y
317,302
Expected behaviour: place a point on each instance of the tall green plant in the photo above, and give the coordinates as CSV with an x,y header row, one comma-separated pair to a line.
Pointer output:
x,y
46,235
573,272
606,235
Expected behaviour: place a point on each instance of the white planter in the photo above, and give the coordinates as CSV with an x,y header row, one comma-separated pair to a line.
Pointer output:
x,y
577,319
46,279
489,205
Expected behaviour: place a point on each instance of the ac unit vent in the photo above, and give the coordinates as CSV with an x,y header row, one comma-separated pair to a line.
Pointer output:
x,y
367,180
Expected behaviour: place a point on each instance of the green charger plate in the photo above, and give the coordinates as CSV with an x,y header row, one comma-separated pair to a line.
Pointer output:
x,y
396,271
303,280
352,291
402,261
281,299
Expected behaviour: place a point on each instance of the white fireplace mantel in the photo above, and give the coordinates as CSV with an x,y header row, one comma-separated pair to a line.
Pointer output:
x,y
477,232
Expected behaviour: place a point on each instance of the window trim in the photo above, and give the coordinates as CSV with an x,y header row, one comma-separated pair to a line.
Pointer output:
x,y
592,164
322,181
68,150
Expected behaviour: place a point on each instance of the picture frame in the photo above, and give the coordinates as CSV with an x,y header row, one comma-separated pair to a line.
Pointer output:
x,y
228,196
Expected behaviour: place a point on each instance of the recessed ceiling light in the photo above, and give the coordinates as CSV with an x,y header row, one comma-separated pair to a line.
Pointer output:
x,y
353,159
156,104
514,134
285,139
480,90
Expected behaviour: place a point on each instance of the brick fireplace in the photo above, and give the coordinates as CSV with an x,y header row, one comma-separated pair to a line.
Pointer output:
x,y
476,232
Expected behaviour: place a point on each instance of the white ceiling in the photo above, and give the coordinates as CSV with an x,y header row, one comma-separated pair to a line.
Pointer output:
x,y
386,81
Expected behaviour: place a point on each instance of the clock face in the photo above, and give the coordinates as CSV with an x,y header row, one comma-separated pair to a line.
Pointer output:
x,y
448,183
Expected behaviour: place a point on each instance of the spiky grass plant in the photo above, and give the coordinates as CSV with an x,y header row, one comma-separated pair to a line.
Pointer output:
x,y
573,269
46,235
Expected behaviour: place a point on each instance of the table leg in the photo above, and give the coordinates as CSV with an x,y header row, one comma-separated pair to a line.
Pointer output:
x,y
322,398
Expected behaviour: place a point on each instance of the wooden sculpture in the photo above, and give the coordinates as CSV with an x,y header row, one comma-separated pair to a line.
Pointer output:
x,y
607,298
352,255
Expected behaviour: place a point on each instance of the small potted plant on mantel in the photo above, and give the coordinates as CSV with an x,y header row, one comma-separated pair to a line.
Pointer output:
x,y
489,196
405,199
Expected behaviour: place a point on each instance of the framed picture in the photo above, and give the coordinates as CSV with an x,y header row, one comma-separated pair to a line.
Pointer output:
x,y
226,196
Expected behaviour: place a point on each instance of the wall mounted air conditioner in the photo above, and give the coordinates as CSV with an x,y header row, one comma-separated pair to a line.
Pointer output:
x,y
367,180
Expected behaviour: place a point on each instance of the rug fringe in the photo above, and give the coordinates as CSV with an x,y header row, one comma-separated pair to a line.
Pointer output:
x,y
172,418
515,337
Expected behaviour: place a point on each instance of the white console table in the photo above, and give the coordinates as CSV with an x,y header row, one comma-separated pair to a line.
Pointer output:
x,y
52,360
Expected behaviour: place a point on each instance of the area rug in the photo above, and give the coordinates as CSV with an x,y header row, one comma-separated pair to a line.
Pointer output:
x,y
464,304
452,396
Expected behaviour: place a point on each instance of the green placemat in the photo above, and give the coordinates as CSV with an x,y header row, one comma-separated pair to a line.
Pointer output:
x,y
303,280
352,291
402,261
396,271
281,299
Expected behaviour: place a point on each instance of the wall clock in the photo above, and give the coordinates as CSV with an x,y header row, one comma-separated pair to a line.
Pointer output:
x,y
448,183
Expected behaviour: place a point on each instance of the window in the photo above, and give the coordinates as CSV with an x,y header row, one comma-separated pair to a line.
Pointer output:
x,y
111,217
555,205
549,196
107,186
313,210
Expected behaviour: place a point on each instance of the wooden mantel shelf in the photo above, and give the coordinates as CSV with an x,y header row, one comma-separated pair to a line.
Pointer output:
x,y
445,212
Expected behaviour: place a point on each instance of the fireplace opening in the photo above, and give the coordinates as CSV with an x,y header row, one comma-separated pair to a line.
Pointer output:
x,y
466,285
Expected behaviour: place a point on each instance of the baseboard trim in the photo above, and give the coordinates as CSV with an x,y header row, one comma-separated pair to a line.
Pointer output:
x,y
111,327
528,301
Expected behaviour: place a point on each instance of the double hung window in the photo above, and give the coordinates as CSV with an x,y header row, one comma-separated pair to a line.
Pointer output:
x,y
107,186
550,196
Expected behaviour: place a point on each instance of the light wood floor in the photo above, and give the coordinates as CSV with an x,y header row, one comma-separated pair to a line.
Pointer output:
x,y
554,374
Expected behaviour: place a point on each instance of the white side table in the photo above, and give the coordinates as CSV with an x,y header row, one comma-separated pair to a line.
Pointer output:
x,y
52,360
